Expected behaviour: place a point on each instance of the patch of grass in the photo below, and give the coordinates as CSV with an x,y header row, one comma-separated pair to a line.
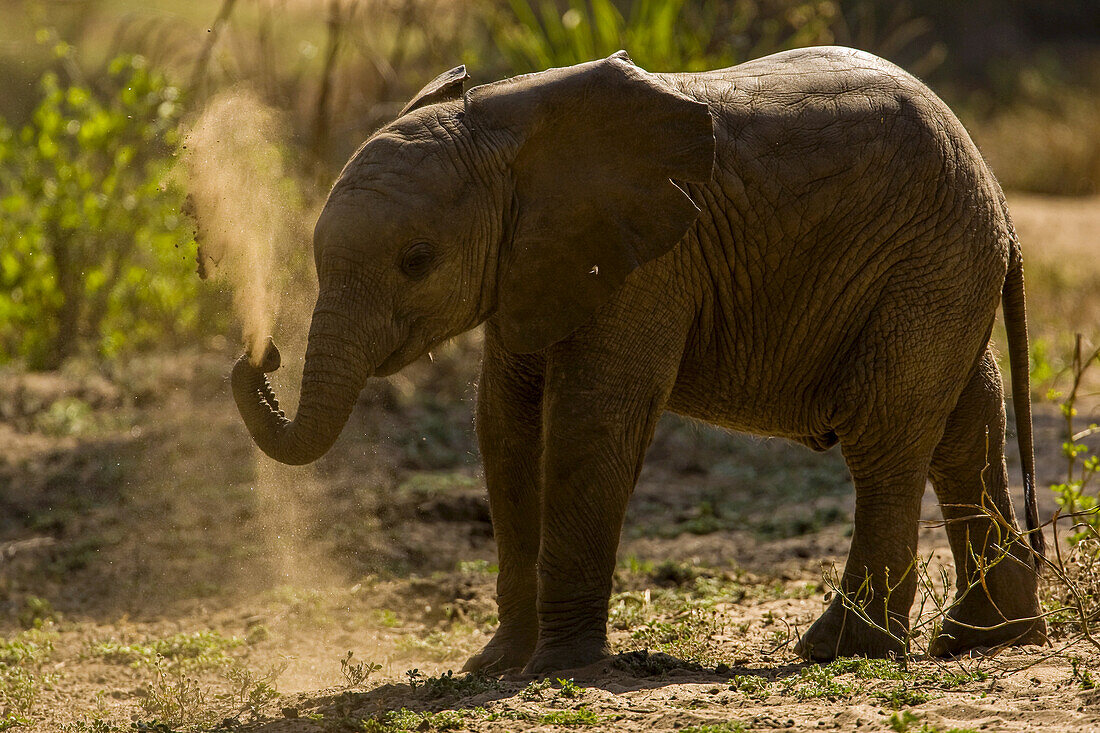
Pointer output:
x,y
726,727
483,567
579,716
637,566
627,610
18,691
951,680
824,681
435,483
868,669
31,647
22,659
902,695
534,690
98,725
503,715
152,726
177,698
196,650
688,636
817,682
438,646
450,685
752,685
306,607
404,720
903,722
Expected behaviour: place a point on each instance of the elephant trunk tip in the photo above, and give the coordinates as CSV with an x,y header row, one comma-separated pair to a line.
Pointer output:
x,y
269,360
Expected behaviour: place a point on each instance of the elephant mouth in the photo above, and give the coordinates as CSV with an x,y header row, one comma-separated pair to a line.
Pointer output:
x,y
404,355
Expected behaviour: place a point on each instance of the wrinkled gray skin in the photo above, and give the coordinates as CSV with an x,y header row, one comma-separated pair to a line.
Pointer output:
x,y
826,267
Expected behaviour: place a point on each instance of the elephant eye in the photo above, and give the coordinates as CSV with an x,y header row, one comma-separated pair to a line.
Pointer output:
x,y
417,259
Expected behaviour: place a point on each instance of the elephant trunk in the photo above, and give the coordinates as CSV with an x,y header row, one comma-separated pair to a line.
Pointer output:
x,y
336,368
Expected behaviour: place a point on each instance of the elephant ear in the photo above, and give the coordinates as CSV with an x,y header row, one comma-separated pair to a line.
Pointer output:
x,y
600,148
445,87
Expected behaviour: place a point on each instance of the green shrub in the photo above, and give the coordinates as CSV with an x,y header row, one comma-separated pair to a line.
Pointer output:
x,y
95,251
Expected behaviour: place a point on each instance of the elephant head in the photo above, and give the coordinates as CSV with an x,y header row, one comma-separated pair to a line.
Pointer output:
x,y
527,201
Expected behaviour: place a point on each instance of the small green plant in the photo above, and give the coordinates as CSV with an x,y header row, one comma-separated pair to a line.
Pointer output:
x,y
22,664
250,691
385,617
752,685
18,690
567,688
36,612
534,690
901,721
579,716
1081,465
356,673
177,698
1082,675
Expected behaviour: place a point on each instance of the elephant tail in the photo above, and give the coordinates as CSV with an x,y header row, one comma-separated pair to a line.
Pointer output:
x,y
1015,315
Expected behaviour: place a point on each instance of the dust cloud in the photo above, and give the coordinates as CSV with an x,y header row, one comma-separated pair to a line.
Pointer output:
x,y
234,167
251,225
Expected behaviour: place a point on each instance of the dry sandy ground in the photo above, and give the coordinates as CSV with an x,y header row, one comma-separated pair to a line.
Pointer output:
x,y
170,568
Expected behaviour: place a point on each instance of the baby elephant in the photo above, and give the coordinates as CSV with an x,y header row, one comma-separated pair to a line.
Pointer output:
x,y
807,245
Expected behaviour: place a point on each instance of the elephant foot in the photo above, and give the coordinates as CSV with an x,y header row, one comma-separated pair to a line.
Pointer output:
x,y
568,655
841,633
506,650
1000,610
977,623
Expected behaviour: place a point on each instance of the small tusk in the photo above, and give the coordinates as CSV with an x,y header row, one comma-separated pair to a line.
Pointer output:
x,y
431,358
595,270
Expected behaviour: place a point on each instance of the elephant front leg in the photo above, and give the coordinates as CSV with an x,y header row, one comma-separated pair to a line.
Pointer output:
x,y
509,434
594,447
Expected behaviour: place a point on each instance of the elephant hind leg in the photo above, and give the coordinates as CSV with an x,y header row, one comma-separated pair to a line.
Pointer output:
x,y
996,585
870,616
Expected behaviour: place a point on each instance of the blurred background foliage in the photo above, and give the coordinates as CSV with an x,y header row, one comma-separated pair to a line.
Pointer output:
x,y
96,258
